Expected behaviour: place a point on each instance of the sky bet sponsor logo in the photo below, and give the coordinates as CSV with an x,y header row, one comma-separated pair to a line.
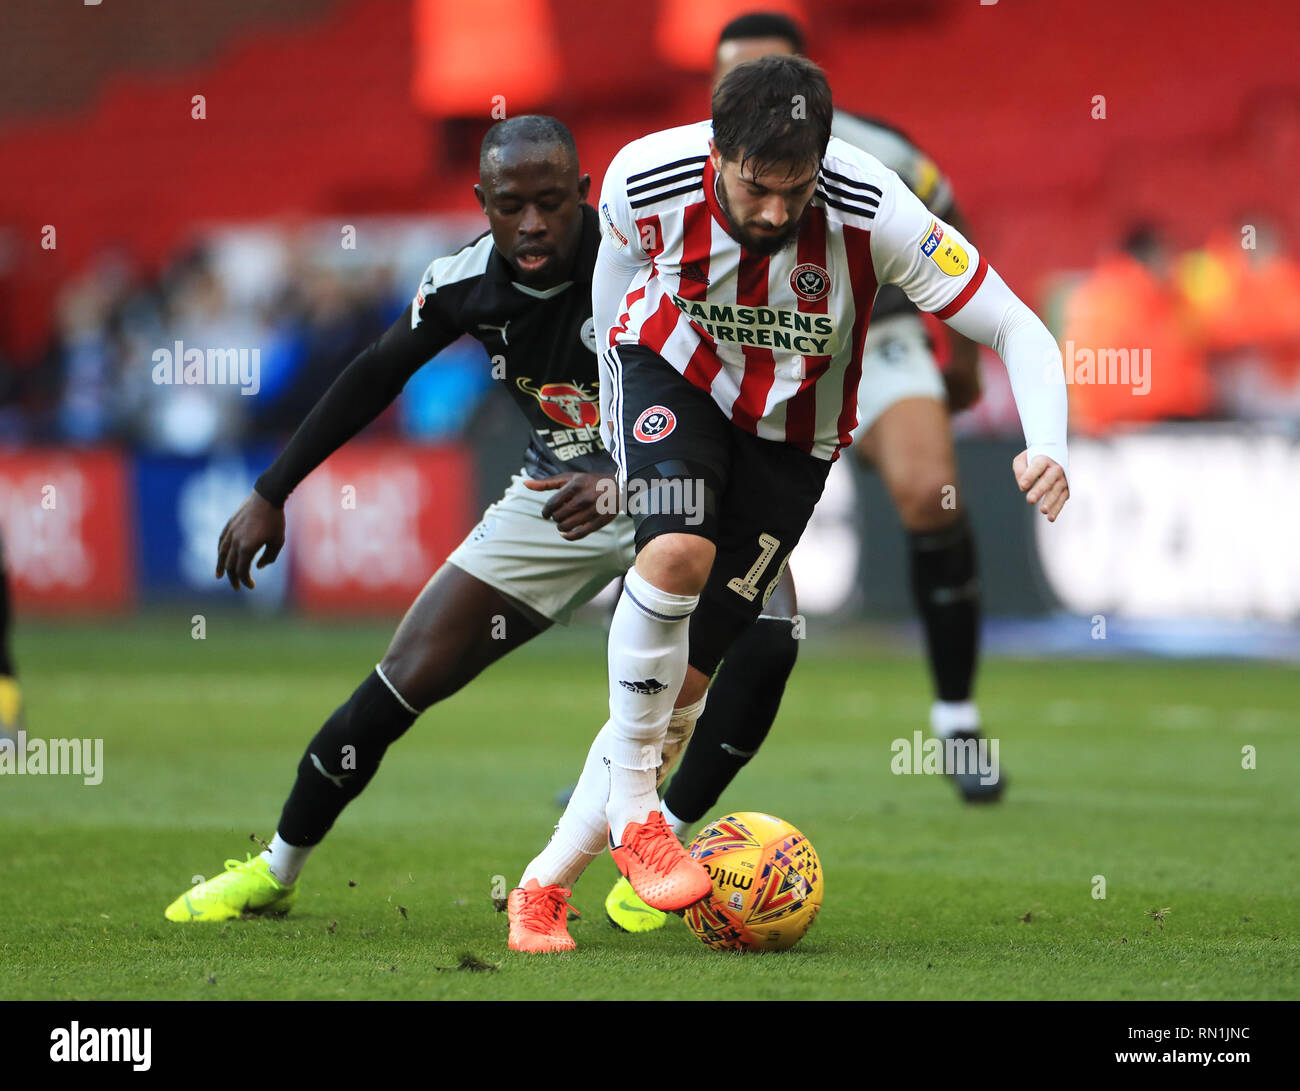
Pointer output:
x,y
948,256
765,327
614,235
932,241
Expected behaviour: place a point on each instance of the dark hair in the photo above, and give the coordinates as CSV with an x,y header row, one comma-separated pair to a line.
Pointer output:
x,y
527,129
776,109
763,24
1143,241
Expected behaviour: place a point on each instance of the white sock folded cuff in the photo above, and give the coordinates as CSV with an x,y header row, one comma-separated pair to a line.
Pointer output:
x,y
561,863
660,605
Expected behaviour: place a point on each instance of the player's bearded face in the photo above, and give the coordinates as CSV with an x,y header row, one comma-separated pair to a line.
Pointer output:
x,y
765,206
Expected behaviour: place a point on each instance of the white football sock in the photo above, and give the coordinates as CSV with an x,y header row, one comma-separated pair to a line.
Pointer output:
x,y
560,863
648,644
679,826
949,717
681,726
285,860
580,834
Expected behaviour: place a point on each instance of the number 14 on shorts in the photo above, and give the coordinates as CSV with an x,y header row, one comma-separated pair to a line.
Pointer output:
x,y
747,586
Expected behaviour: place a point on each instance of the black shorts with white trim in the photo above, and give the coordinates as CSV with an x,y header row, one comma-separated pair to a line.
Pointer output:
x,y
690,470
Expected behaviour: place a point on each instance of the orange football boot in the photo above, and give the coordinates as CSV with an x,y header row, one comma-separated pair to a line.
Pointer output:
x,y
663,874
539,918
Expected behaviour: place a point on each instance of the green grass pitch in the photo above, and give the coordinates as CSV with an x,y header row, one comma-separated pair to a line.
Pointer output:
x,y
1128,770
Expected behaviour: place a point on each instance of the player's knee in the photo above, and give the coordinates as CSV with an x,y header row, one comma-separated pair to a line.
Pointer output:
x,y
676,563
928,498
864,445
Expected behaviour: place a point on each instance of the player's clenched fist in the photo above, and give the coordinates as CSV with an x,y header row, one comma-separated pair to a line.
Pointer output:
x,y
1043,482
257,523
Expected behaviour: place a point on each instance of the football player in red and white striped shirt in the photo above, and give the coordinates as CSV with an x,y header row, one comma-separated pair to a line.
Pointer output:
x,y
731,296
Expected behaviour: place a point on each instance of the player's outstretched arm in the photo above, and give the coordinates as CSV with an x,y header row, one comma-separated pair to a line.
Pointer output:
x,y
941,272
961,377
996,317
367,386
258,525
1043,482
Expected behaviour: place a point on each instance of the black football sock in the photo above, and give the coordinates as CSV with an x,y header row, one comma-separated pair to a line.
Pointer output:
x,y
742,704
945,588
341,759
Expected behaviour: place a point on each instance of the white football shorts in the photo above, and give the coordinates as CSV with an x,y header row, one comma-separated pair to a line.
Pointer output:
x,y
897,363
523,556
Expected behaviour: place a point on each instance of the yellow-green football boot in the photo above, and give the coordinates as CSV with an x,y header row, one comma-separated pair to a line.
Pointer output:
x,y
628,913
246,886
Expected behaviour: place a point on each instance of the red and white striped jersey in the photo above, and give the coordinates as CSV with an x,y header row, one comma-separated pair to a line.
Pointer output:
x,y
776,340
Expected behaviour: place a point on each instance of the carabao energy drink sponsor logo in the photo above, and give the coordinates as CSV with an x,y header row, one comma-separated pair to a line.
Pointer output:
x,y
572,404
763,327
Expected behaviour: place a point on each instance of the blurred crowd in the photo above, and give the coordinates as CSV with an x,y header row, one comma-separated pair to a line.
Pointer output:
x,y
1148,334
1216,329
97,380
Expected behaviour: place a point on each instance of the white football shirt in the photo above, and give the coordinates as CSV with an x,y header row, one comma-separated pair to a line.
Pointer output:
x,y
776,340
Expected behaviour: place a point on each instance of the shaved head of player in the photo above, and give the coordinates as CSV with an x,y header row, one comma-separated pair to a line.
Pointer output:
x,y
532,194
771,125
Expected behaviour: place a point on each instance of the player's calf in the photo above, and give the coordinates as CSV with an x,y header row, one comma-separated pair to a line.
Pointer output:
x,y
648,641
742,707
342,758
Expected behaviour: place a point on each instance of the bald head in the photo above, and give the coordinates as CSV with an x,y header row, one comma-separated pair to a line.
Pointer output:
x,y
542,136
532,194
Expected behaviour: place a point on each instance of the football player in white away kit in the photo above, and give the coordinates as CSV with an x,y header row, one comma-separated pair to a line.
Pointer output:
x,y
733,288
904,401
903,431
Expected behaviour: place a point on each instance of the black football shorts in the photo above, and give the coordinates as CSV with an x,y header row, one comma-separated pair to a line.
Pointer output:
x,y
689,470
